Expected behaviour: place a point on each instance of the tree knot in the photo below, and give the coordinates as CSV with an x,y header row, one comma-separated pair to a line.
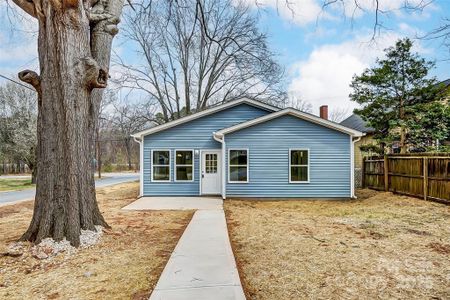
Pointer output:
x,y
95,76
31,78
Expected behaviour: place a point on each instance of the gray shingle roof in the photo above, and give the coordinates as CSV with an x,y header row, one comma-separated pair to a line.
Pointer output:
x,y
357,123
445,82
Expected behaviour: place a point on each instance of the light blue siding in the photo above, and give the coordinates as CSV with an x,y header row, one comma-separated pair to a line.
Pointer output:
x,y
269,145
196,134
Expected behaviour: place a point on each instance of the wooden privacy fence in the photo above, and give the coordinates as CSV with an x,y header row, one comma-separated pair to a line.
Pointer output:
x,y
420,176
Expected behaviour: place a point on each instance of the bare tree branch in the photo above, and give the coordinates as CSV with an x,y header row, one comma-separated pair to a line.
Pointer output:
x,y
26,5
197,54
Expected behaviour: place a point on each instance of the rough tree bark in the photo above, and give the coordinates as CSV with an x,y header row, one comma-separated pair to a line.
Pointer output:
x,y
73,67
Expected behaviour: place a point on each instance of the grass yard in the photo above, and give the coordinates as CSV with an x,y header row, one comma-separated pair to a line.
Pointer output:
x,y
379,246
15,184
126,264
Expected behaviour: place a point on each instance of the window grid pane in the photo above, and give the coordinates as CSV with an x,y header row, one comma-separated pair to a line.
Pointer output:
x,y
161,158
184,173
299,164
238,173
161,173
299,157
184,165
161,165
238,165
184,157
299,174
238,157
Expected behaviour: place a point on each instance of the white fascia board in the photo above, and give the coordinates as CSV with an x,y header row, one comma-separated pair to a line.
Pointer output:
x,y
202,114
295,113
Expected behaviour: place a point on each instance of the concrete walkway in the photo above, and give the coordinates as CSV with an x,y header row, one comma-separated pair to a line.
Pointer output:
x,y
175,203
202,266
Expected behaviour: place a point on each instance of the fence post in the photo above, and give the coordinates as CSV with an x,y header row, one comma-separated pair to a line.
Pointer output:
x,y
363,173
386,173
425,178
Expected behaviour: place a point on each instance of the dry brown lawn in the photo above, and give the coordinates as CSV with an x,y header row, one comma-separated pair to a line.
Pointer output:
x,y
380,246
126,264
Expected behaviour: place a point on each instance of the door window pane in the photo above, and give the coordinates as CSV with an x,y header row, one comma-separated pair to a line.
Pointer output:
x,y
211,163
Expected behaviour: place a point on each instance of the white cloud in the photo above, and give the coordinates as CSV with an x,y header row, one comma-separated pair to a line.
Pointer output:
x,y
324,77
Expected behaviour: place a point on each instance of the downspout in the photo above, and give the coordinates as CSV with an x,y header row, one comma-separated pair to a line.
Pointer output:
x,y
221,139
352,167
141,165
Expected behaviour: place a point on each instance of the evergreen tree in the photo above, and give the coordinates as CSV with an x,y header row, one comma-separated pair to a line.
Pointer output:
x,y
390,92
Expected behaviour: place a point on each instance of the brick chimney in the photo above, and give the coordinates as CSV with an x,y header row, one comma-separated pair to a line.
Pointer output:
x,y
324,112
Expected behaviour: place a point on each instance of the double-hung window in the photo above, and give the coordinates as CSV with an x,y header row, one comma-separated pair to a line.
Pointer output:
x,y
160,165
238,165
298,165
184,165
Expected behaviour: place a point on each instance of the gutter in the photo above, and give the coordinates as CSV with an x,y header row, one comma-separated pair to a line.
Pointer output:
x,y
140,141
353,196
219,137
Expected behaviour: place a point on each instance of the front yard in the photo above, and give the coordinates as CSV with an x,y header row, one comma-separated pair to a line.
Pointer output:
x,y
126,264
379,246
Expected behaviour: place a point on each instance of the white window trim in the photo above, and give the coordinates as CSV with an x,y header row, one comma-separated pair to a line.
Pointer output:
x,y
151,166
248,164
308,165
191,165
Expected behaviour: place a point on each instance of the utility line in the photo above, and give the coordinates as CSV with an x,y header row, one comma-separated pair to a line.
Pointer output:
x,y
16,82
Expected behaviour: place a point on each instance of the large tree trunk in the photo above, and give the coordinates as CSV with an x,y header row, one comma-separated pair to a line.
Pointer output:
x,y
65,199
403,147
104,20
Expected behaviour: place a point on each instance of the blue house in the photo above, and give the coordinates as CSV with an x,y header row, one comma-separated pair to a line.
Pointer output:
x,y
246,148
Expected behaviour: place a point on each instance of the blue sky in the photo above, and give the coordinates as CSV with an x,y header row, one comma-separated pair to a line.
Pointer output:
x,y
320,51
321,54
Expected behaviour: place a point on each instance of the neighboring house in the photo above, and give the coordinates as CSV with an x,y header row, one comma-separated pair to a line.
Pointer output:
x,y
357,123
246,148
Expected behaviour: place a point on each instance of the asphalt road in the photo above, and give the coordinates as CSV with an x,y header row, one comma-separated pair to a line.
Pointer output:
x,y
111,179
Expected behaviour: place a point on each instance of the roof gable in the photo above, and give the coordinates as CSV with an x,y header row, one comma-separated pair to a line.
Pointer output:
x,y
295,113
204,113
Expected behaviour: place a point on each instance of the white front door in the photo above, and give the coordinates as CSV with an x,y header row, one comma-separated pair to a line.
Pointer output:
x,y
211,172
